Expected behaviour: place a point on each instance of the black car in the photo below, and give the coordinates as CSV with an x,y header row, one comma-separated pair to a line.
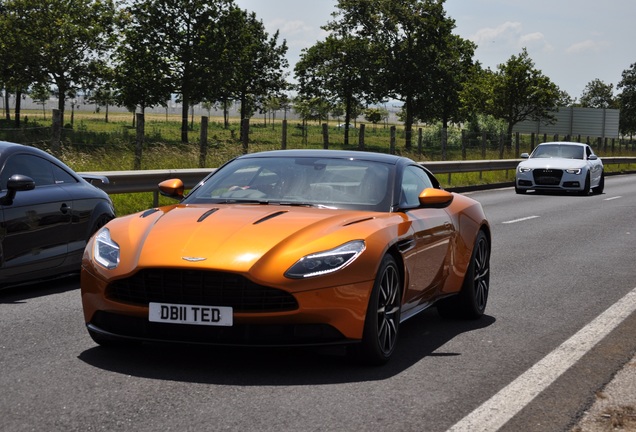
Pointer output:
x,y
47,214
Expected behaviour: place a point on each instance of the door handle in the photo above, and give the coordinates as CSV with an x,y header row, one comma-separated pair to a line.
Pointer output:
x,y
65,208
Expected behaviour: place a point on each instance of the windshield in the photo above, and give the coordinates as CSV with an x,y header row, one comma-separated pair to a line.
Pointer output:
x,y
310,181
558,150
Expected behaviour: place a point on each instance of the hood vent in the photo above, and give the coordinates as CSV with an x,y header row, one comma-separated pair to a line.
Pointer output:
x,y
358,221
205,215
271,216
148,213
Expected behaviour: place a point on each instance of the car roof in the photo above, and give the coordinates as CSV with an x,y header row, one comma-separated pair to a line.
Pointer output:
x,y
336,154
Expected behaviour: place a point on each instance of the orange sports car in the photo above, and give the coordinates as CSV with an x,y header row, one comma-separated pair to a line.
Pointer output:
x,y
290,247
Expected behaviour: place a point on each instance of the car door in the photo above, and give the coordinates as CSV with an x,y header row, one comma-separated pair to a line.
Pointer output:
x,y
431,232
36,225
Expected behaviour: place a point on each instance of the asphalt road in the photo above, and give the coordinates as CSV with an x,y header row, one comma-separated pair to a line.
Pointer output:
x,y
558,263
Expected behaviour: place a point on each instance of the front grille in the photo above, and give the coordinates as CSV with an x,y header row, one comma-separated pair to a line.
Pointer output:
x,y
547,177
200,287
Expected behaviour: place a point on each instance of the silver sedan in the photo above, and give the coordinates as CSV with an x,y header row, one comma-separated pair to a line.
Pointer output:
x,y
561,166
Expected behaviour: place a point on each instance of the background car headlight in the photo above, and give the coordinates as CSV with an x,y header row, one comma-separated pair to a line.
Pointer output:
x,y
326,262
105,250
573,171
524,169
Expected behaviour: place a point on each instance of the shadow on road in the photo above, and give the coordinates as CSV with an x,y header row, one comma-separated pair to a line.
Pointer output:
x,y
21,293
420,337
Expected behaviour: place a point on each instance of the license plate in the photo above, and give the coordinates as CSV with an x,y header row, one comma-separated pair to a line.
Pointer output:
x,y
190,314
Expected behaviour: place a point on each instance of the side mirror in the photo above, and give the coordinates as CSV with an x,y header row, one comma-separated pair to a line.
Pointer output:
x,y
524,156
435,198
17,183
172,188
592,157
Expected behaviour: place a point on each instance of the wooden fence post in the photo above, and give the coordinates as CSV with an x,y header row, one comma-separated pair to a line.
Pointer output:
x,y
464,139
444,140
392,142
139,140
203,144
361,137
284,136
325,136
245,132
56,133
420,137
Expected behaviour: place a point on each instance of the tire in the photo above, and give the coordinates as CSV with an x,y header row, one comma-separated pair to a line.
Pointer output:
x,y
381,325
586,187
520,191
601,185
472,299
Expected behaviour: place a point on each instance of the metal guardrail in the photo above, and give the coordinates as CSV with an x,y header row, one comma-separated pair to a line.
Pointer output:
x,y
147,180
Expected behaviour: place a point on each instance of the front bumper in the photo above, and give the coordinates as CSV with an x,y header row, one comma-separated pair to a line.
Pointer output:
x,y
550,179
331,315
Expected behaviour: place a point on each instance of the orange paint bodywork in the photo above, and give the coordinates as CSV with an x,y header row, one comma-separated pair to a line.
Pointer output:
x,y
432,245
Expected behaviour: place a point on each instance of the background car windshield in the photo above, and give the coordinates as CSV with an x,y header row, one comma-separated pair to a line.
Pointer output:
x,y
338,183
558,150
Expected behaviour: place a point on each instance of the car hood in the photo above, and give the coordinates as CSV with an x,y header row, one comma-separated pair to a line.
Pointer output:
x,y
559,163
236,237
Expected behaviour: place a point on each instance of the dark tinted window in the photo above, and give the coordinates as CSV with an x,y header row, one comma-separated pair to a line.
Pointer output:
x,y
40,170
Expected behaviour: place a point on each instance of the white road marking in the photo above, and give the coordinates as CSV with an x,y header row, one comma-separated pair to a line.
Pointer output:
x,y
520,220
503,406
613,198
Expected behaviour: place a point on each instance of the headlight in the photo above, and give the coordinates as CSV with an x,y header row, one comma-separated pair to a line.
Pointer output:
x,y
573,171
326,262
524,169
105,250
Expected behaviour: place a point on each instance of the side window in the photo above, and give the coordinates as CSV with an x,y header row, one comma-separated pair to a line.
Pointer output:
x,y
414,180
588,152
62,177
40,170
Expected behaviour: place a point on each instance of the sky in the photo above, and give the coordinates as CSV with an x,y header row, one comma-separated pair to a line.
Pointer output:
x,y
573,42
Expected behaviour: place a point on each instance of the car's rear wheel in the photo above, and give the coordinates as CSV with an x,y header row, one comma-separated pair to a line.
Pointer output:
x,y
601,185
381,326
471,301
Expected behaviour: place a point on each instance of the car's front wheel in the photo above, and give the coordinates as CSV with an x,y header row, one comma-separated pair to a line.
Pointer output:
x,y
601,185
586,187
471,301
382,321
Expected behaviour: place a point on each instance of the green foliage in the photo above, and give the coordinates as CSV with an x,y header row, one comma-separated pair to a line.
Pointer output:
x,y
515,92
597,94
627,101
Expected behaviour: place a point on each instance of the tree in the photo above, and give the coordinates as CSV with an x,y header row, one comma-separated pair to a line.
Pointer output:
x,y
253,63
338,69
184,40
414,43
627,101
64,40
597,94
40,94
18,52
515,92
375,115
141,78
